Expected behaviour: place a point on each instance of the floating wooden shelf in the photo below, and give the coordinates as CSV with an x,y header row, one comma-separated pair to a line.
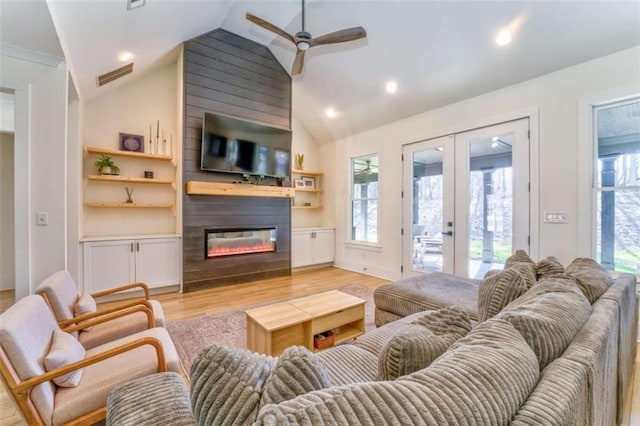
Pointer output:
x,y
107,178
308,190
114,152
132,205
237,189
306,172
306,207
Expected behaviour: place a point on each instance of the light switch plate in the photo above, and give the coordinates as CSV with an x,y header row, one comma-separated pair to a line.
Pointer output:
x,y
555,217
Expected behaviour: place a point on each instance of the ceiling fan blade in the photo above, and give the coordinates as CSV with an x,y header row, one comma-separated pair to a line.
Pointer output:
x,y
349,34
269,26
298,63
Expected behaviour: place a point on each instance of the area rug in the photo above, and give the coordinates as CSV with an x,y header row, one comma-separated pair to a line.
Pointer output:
x,y
230,328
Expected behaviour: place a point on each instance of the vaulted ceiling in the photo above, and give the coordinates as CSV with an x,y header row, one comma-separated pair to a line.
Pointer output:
x,y
439,52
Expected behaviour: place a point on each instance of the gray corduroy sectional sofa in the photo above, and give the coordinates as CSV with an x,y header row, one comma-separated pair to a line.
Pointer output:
x,y
560,352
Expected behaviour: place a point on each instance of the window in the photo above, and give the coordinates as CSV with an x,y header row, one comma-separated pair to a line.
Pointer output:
x,y
618,186
364,199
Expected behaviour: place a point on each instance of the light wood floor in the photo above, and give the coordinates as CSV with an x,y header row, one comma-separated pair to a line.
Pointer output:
x,y
181,306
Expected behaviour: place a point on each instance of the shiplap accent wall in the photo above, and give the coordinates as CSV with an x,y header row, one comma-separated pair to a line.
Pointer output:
x,y
228,74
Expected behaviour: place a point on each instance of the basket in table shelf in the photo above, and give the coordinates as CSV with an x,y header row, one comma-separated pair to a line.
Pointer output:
x,y
323,340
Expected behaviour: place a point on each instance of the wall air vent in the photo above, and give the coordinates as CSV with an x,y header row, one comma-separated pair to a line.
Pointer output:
x,y
114,75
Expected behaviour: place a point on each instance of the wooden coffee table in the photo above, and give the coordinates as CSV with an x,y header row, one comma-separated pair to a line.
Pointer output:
x,y
273,328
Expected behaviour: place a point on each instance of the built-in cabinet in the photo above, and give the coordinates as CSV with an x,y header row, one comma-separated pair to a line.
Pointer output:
x,y
112,262
312,246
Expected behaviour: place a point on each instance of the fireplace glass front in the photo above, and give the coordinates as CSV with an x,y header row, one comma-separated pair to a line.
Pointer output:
x,y
231,242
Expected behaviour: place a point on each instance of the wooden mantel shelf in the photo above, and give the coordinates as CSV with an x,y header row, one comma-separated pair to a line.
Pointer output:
x,y
238,189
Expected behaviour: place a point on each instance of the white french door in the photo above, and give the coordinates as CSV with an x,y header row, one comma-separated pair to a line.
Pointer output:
x,y
466,200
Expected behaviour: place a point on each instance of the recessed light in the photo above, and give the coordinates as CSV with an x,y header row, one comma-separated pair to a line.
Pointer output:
x,y
494,145
134,4
391,87
330,112
125,56
495,138
503,38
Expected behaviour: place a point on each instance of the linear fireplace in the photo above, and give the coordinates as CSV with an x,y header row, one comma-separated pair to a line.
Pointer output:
x,y
238,241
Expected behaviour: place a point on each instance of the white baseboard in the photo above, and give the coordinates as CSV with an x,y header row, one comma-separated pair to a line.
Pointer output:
x,y
384,273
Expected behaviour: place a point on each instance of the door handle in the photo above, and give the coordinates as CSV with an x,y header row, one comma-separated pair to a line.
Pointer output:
x,y
137,246
131,245
449,233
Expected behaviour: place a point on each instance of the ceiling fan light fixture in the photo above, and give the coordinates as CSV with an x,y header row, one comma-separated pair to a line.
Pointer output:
x,y
303,45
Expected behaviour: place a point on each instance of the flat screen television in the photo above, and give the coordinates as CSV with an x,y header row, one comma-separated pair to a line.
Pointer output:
x,y
237,146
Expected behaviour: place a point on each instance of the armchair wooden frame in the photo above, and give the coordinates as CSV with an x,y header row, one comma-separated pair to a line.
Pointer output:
x,y
20,390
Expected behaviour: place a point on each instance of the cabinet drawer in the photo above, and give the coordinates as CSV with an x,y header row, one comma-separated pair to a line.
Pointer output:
x,y
337,319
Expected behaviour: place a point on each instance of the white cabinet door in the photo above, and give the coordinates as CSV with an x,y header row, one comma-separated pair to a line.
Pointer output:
x,y
108,264
301,254
157,261
323,246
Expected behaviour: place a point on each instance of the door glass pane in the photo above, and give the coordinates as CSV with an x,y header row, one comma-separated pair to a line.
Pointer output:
x,y
427,210
490,203
364,203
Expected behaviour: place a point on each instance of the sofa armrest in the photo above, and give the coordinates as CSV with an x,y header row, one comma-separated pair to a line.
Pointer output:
x,y
122,288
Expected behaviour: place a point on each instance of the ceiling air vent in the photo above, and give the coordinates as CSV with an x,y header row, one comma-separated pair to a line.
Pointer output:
x,y
133,4
114,75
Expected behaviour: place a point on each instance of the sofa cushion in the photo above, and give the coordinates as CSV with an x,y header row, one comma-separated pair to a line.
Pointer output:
x,y
497,290
349,364
548,267
549,316
227,383
592,278
412,348
375,340
296,372
482,379
518,256
65,349
528,272
86,304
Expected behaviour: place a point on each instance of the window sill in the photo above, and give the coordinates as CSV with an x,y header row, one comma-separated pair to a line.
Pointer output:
x,y
364,246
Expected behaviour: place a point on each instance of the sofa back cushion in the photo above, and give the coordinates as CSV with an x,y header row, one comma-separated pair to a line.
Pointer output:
x,y
592,278
26,330
549,316
548,267
497,290
416,345
482,379
296,372
518,256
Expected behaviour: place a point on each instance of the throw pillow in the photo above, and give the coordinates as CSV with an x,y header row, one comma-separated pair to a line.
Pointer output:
x,y
296,372
416,345
65,349
518,256
548,267
497,291
592,278
86,304
528,272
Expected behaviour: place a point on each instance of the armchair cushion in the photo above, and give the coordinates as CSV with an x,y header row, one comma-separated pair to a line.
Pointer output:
x,y
86,304
65,349
62,294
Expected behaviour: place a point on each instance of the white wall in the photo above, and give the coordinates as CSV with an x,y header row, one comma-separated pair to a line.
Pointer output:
x,y
303,143
131,108
47,174
555,96
7,229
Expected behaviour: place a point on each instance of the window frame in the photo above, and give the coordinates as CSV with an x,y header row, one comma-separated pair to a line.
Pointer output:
x,y
352,199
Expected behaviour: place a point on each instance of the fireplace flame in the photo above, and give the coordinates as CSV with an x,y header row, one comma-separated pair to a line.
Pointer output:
x,y
241,249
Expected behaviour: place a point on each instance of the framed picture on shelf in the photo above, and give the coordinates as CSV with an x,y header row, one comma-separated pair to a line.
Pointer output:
x,y
309,182
133,143
298,183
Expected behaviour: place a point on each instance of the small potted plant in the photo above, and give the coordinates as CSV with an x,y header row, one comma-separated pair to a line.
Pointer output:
x,y
299,160
106,167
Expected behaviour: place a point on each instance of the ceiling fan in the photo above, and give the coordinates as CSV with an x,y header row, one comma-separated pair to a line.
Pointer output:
x,y
304,41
